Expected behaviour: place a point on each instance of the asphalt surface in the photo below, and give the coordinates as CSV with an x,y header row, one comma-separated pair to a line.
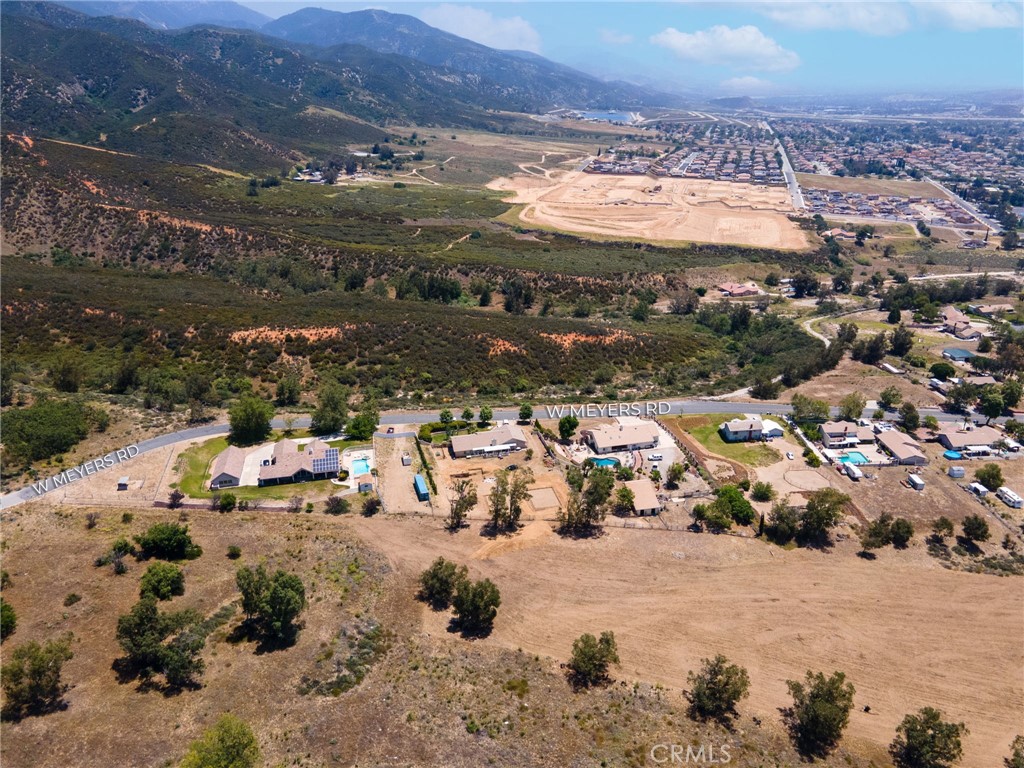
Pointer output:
x,y
391,418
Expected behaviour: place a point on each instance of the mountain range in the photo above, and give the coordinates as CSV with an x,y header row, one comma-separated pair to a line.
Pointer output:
x,y
298,85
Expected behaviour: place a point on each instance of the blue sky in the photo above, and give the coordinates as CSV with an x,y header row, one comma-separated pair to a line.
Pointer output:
x,y
751,48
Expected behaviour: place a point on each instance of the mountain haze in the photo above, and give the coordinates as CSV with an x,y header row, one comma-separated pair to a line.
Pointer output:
x,y
175,14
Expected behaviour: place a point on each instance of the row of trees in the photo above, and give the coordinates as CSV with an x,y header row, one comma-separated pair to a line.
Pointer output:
x,y
250,417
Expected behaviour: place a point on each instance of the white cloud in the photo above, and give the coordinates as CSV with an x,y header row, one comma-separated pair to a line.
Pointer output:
x,y
873,18
969,15
611,37
745,86
745,47
508,33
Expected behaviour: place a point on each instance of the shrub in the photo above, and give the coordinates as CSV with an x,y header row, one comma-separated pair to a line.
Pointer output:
x,y
174,499
337,505
902,532
439,582
8,619
48,428
975,528
234,552
91,518
32,678
71,599
591,658
227,502
372,506
168,541
762,491
717,688
163,581
228,744
128,517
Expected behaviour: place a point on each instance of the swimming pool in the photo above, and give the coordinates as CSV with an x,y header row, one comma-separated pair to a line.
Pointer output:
x,y
853,457
606,462
360,467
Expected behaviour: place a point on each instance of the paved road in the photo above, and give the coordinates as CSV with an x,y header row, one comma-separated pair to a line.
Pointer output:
x,y
791,182
667,408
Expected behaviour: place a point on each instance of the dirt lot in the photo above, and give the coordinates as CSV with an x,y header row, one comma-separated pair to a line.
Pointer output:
x,y
903,628
394,483
852,376
681,210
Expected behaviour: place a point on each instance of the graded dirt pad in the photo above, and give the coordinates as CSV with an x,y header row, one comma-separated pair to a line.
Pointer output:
x,y
869,186
906,632
632,207
852,376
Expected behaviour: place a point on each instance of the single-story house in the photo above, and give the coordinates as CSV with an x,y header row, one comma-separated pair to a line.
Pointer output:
x,y
991,310
740,430
771,428
645,498
288,464
842,434
739,289
957,355
980,381
951,316
973,439
902,447
499,441
227,468
964,331
612,438
839,234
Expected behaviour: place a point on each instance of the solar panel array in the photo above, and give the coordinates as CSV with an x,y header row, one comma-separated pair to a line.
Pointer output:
x,y
328,463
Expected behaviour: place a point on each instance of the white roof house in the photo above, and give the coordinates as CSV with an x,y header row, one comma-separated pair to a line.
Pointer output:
x,y
494,442
771,428
610,438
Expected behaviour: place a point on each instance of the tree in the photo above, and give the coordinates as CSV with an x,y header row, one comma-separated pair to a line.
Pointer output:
x,y
227,502
821,711
486,413
942,371
141,634
991,404
365,423
783,523
624,499
591,658
67,373
467,415
806,409
271,603
823,512
289,389
924,740
870,351
878,533
901,341
676,474
167,541
990,475
228,744
518,494
337,505
174,499
975,528
731,502
895,316
902,532
250,420
8,620
717,688
713,517
909,417
890,397
32,678
1010,240
446,417
525,412
462,499
163,581
566,426
930,422
497,502
476,605
943,527
1012,391
331,410
852,406
439,582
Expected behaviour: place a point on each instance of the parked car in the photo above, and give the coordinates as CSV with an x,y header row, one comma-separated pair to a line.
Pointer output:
x,y
391,430
789,455
512,467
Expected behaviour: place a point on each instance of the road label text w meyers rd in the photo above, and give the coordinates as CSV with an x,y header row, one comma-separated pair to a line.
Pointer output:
x,y
86,468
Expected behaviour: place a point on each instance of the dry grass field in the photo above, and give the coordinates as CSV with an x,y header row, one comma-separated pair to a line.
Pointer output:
x,y
632,207
870,186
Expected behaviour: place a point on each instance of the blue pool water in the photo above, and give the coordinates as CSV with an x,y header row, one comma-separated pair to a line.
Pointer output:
x,y
853,457
606,462
360,467
952,455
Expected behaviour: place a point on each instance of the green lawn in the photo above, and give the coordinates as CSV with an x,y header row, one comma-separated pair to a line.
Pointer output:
x,y
194,468
705,430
